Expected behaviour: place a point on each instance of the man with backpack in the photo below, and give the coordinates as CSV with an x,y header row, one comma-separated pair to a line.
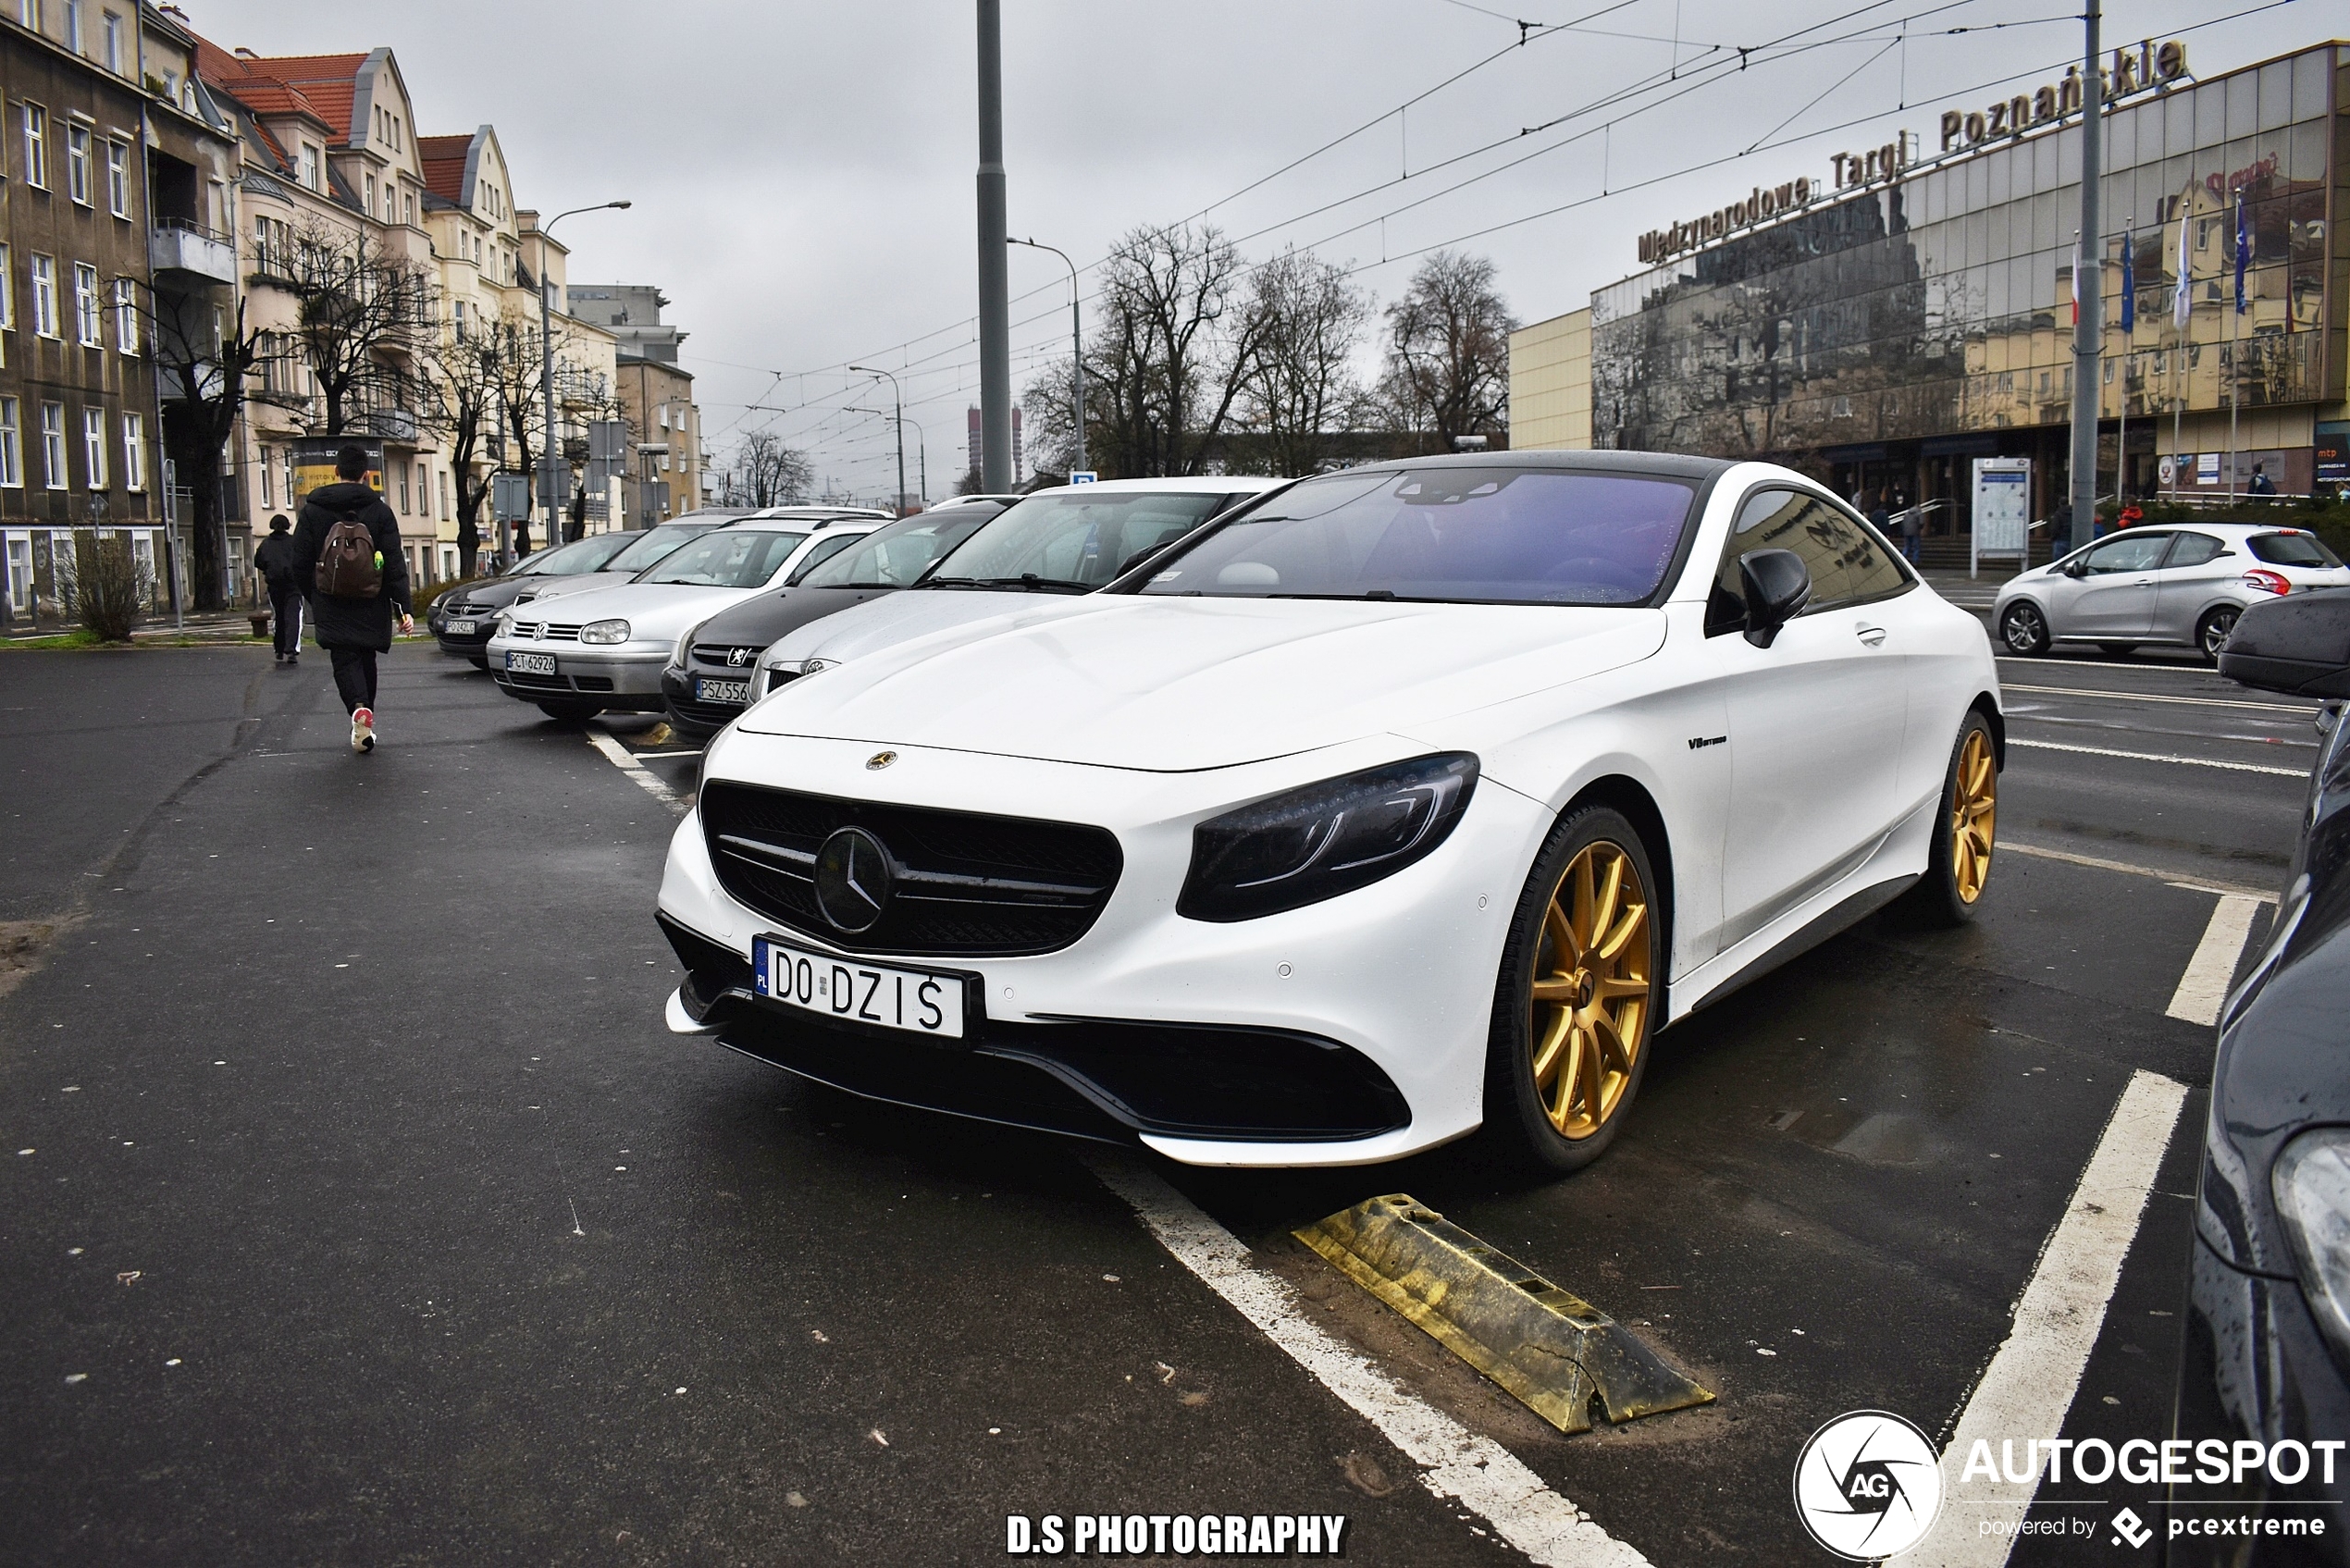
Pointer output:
x,y
347,547
276,563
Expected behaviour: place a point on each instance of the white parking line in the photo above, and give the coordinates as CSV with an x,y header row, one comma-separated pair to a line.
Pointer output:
x,y
626,761
2158,757
2042,852
2307,711
1457,1465
2205,985
2029,1386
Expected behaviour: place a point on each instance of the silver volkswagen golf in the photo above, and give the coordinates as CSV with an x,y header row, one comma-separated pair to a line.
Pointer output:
x,y
2175,585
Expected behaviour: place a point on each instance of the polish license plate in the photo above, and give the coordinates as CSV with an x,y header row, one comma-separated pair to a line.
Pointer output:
x,y
721,691
530,663
462,629
912,1000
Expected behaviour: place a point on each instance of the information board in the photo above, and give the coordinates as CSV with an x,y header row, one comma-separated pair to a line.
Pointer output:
x,y
2003,509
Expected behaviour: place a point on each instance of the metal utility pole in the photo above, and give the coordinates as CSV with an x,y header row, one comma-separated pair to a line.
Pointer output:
x,y
1076,346
547,455
2088,293
994,303
898,401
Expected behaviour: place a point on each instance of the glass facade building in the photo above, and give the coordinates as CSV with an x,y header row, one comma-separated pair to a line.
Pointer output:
x,y
1882,337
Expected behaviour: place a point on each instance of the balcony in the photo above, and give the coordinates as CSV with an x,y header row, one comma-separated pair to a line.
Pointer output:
x,y
183,253
394,425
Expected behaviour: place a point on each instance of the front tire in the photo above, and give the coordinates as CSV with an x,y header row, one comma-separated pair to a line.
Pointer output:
x,y
1965,832
2211,631
1580,984
2024,629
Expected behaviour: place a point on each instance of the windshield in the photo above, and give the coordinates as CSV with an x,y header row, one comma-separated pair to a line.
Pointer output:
x,y
895,556
2292,549
654,544
729,557
580,555
1072,542
1474,534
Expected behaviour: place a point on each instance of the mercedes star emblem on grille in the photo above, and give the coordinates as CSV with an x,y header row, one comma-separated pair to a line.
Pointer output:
x,y
853,880
880,760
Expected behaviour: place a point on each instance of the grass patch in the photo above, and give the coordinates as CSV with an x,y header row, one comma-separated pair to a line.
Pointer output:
x,y
79,637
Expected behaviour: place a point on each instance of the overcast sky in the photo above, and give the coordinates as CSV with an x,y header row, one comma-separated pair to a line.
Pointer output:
x,y
803,173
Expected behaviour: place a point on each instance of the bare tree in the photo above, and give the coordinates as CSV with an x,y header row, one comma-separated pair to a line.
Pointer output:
x,y
1170,353
1447,351
204,358
772,473
362,312
457,400
1301,389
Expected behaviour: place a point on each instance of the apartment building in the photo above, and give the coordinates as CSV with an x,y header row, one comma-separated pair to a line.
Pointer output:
x,y
668,472
117,169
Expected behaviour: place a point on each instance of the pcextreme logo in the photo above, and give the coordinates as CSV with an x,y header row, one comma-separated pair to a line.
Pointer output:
x,y
1867,1485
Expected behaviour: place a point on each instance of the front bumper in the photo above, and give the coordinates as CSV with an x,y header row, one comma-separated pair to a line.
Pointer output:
x,y
1346,1032
692,712
623,676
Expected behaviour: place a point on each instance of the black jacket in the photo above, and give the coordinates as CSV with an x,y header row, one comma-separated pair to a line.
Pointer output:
x,y
350,622
276,561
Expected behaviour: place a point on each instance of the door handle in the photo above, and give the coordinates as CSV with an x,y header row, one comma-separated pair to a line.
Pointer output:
x,y
1868,633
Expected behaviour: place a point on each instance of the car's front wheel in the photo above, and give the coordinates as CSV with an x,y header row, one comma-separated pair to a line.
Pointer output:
x,y
1966,832
1581,977
2211,631
2024,629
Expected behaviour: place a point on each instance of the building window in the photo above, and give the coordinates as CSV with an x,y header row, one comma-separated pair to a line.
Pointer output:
x,y
126,316
114,42
29,13
11,446
273,245
78,164
73,25
93,446
408,207
45,296
424,492
117,179
371,194
88,326
444,498
7,290
53,445
460,306
134,453
310,166
36,145
403,490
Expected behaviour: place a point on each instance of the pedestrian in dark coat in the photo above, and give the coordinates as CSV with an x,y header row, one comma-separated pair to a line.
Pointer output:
x,y
278,565
576,529
353,630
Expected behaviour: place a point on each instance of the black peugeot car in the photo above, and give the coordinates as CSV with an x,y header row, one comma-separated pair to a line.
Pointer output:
x,y
709,677
2266,1358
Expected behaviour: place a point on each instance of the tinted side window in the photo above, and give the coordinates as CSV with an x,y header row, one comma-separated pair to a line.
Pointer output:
x,y
2133,551
2292,549
1849,564
2194,549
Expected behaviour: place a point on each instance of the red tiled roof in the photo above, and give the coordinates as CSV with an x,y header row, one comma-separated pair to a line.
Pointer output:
x,y
444,161
326,83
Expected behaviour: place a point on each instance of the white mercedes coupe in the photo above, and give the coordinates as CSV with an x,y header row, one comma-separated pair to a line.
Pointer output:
x,y
1411,800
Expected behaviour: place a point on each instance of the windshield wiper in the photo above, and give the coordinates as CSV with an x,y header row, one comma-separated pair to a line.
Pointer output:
x,y
1026,582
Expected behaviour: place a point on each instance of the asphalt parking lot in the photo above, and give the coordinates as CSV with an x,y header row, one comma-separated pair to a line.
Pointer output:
x,y
358,1208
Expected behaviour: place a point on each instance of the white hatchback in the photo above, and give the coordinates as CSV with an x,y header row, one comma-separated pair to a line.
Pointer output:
x,y
2176,585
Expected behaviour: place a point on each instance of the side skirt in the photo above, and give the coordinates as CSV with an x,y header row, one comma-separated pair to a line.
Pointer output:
x,y
1847,911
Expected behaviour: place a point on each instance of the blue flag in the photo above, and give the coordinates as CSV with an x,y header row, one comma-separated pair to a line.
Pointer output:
x,y
2243,249
2129,279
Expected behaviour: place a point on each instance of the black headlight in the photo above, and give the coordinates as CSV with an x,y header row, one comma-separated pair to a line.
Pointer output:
x,y
1328,838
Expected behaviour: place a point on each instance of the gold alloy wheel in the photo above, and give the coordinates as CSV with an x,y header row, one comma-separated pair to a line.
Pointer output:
x,y
1589,1013
1974,806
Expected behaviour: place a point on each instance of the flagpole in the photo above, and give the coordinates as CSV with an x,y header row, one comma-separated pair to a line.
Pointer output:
x,y
2235,371
2129,331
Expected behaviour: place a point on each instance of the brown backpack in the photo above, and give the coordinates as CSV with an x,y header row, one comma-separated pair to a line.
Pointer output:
x,y
348,565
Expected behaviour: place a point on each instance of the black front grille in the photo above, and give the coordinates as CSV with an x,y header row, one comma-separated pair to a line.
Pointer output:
x,y
963,883
736,658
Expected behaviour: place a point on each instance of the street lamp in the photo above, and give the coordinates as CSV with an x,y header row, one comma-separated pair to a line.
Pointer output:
x,y
1076,341
921,446
547,367
898,398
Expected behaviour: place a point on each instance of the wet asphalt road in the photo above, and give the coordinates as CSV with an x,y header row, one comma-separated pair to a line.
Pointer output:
x,y
371,1217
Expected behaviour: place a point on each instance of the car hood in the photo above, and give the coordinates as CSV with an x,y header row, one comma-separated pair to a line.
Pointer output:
x,y
566,584
658,610
495,594
772,613
900,617
1178,684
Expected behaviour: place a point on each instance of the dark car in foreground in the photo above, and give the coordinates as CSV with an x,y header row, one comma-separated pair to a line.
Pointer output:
x,y
2268,1330
711,676
463,618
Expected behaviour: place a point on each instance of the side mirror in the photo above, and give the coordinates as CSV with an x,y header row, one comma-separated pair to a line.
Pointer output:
x,y
1777,586
2299,645
2076,568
